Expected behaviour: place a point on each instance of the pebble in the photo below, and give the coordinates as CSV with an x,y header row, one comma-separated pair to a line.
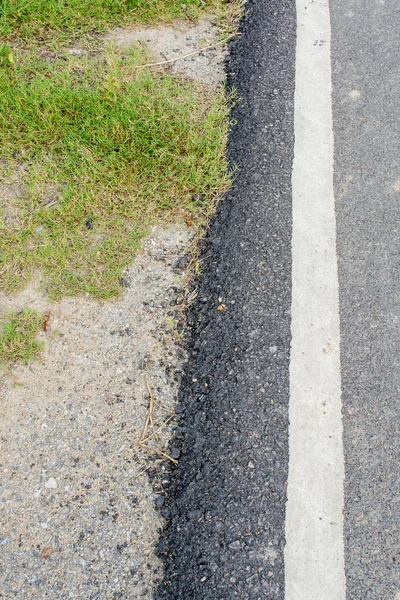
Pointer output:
x,y
159,502
235,545
175,452
51,484
194,514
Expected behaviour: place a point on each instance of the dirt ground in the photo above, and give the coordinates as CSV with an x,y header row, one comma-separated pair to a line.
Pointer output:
x,y
78,516
77,508
168,42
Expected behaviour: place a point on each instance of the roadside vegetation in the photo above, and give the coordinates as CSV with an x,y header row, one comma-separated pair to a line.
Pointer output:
x,y
99,147
60,21
104,152
18,331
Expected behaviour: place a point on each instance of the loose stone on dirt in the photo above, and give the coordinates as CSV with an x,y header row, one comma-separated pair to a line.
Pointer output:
x,y
77,511
169,42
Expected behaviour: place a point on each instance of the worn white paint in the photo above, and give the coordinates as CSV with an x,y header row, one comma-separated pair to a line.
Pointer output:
x,y
314,556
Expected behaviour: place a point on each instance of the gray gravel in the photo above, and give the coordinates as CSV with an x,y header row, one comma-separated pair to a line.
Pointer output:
x,y
77,513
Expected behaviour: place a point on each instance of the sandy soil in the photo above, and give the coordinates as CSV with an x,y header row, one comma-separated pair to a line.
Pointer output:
x,y
168,42
77,514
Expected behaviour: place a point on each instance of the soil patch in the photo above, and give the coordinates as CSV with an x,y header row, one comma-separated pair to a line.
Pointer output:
x,y
77,509
169,42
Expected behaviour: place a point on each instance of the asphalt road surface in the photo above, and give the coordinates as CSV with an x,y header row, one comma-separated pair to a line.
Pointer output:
x,y
288,481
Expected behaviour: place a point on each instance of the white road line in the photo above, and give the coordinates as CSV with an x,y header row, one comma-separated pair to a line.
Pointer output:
x,y
314,556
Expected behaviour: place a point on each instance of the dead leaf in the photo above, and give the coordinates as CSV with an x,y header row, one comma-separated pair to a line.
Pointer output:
x,y
221,307
46,317
189,220
46,552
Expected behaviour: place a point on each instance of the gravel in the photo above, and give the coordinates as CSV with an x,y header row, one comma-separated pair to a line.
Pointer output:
x,y
226,502
78,498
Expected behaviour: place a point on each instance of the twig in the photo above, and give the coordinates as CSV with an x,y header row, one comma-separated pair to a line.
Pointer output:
x,y
164,62
156,451
142,441
151,407
149,418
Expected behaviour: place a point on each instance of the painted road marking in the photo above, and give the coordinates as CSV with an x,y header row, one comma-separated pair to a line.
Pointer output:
x,y
314,555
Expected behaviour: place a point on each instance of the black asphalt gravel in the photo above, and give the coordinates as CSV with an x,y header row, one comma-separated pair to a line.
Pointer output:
x,y
226,504
366,96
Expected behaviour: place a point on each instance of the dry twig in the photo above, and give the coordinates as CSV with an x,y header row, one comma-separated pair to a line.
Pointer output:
x,y
160,452
149,421
165,62
149,418
143,441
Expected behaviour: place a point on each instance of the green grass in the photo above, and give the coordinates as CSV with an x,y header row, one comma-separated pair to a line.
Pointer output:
x,y
104,151
18,331
101,150
59,21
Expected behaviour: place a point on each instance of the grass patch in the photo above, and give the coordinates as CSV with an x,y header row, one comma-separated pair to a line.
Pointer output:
x,y
103,151
18,331
60,21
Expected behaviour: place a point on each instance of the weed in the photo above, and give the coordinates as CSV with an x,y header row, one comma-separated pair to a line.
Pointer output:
x,y
18,331
59,21
103,150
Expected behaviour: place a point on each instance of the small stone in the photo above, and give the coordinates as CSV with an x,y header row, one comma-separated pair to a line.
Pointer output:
x,y
159,502
273,349
194,514
76,51
162,546
198,198
51,484
175,453
125,282
235,545
180,263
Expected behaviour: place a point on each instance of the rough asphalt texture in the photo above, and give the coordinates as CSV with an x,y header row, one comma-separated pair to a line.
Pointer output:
x,y
227,500
365,60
